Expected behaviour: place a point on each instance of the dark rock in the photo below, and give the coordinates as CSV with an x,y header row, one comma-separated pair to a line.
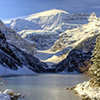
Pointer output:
x,y
67,88
78,59
86,98
15,96
70,88
74,61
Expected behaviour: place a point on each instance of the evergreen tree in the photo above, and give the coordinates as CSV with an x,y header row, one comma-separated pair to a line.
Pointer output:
x,y
95,68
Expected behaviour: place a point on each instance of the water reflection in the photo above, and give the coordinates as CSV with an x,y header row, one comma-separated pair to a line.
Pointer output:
x,y
45,86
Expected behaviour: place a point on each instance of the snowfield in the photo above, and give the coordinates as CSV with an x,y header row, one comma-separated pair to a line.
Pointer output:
x,y
46,13
49,57
21,71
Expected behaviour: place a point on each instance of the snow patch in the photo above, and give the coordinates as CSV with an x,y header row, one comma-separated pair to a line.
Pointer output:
x,y
21,71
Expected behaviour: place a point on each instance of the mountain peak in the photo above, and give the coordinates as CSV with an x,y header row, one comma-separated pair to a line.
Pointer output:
x,y
92,17
1,23
47,13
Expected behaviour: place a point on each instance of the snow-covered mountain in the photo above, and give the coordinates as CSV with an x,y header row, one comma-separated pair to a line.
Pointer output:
x,y
70,38
13,61
81,50
56,33
15,39
47,25
78,59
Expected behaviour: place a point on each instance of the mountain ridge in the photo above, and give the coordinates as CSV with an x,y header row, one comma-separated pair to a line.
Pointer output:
x,y
60,33
46,13
50,27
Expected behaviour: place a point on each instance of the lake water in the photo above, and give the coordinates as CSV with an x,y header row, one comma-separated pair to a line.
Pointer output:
x,y
45,86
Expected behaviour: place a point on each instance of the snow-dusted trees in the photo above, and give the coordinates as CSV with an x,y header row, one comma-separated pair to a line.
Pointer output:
x,y
95,68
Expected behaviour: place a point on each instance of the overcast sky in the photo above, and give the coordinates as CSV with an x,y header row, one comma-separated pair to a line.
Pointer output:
x,y
16,8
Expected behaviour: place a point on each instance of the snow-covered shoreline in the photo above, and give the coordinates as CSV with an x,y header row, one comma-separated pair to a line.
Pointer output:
x,y
87,92
9,95
21,71
4,96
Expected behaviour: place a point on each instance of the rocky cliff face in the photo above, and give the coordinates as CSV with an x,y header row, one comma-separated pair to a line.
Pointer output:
x,y
78,58
74,61
7,57
13,58
16,40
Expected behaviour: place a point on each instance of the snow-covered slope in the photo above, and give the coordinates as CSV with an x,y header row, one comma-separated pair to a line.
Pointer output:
x,y
22,24
49,24
49,20
57,19
15,39
71,38
13,61
78,59
46,13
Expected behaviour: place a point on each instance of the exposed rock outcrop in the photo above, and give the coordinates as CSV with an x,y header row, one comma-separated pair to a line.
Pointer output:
x,y
16,40
12,58
78,58
74,61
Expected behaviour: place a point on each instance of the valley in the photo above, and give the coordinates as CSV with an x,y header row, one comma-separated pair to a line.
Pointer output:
x,y
52,37
49,50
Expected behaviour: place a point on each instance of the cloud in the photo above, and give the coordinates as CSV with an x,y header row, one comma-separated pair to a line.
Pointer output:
x,y
96,7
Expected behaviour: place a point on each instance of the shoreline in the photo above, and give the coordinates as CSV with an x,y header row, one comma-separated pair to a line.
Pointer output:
x,y
8,94
18,75
86,91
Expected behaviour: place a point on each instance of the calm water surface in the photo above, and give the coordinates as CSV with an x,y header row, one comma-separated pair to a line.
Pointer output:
x,y
45,86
